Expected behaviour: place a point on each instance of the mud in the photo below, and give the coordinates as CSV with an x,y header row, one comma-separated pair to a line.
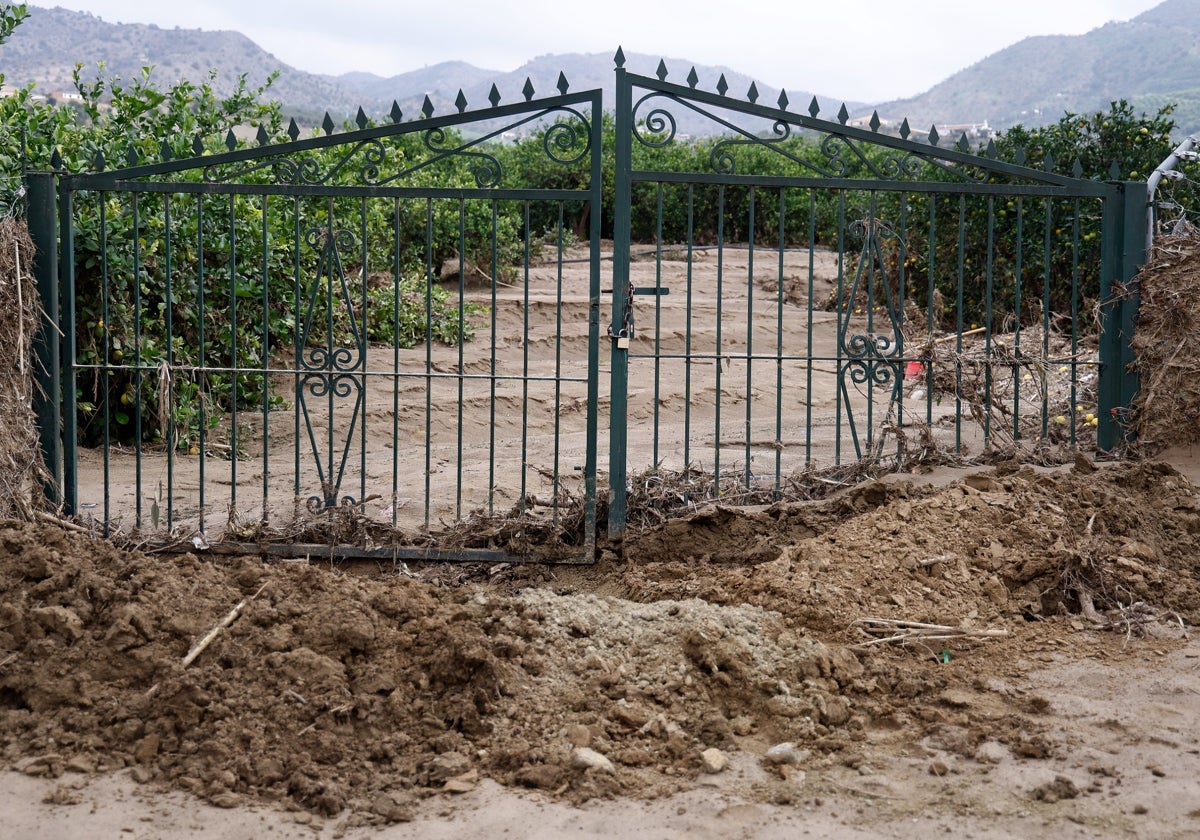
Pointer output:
x,y
358,693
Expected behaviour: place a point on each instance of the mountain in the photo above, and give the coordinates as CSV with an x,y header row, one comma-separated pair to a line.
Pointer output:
x,y
1151,60
45,48
583,71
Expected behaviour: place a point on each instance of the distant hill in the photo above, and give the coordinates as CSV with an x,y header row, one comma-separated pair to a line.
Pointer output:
x,y
583,71
1150,61
45,48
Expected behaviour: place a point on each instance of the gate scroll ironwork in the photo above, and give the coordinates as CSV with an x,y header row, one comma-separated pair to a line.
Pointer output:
x,y
873,357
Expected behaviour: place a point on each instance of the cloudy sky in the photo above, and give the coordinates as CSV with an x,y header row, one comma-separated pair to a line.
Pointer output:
x,y
867,50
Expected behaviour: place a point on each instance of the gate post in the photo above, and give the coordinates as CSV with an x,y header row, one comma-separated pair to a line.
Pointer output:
x,y
621,328
47,399
1123,254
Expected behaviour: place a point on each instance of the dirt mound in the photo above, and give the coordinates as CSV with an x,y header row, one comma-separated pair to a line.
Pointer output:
x,y
1164,341
1010,544
20,495
743,630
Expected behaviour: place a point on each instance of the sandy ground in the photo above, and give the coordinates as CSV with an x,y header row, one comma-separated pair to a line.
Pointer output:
x,y
435,454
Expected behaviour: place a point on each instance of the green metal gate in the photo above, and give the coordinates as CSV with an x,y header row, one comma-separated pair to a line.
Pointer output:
x,y
846,293
793,298
266,389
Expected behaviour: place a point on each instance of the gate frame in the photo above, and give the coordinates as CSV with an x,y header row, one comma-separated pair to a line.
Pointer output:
x,y
1122,238
53,236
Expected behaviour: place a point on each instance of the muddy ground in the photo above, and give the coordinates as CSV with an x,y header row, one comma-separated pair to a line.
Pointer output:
x,y
1060,697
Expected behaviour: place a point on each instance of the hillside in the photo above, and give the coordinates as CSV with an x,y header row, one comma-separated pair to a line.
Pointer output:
x,y
1150,60
46,47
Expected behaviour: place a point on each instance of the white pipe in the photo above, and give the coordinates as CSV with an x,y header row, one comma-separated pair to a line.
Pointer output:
x,y
1164,170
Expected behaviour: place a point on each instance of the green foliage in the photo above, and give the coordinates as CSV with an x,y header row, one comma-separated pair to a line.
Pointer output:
x,y
194,295
1134,144
11,15
1035,255
413,310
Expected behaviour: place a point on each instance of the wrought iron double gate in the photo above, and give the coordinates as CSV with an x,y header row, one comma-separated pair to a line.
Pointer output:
x,y
247,346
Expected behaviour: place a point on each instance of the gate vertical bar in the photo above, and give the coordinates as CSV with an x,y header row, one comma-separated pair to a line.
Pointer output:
x,y
1122,254
70,413
1135,254
595,213
43,229
622,302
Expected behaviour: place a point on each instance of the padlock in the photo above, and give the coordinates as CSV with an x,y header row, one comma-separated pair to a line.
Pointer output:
x,y
622,342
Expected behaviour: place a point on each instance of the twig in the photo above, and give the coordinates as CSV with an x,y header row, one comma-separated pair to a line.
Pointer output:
x,y
62,523
20,312
13,656
1087,607
933,561
221,625
916,631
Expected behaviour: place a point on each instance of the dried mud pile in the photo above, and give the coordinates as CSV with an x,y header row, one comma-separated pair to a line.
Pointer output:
x,y
1165,343
20,459
338,691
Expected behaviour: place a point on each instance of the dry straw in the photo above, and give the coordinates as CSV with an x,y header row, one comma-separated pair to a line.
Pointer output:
x,y
20,456
1166,345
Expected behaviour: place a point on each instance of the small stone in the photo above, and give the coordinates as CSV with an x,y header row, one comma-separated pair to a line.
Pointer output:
x,y
226,800
446,766
33,766
393,807
992,752
789,706
1155,770
1061,788
786,753
579,735
1140,809
544,776
465,783
81,764
589,759
742,725
938,768
147,749
633,716
713,760
141,774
